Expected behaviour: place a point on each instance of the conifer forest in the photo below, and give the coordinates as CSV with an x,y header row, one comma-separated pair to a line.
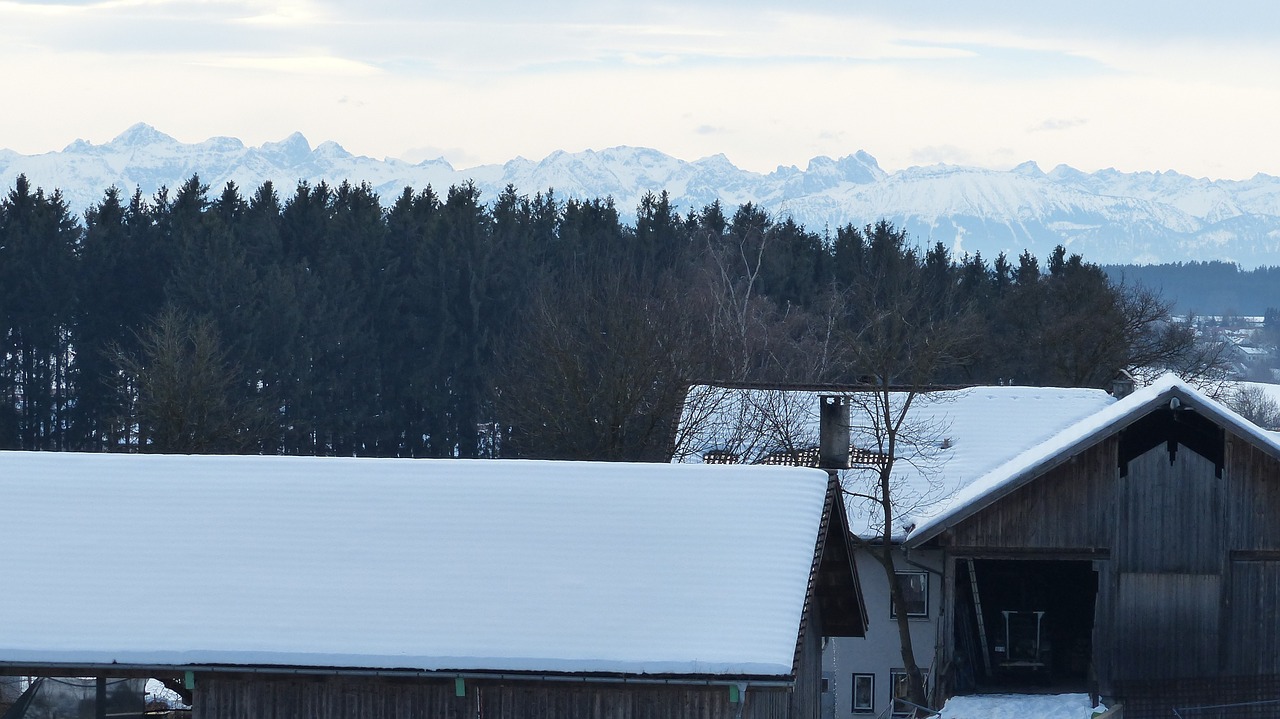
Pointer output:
x,y
328,320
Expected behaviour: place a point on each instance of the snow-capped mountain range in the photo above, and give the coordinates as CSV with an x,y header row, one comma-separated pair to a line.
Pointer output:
x,y
1107,216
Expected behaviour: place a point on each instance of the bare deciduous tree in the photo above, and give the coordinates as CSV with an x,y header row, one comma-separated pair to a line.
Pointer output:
x,y
902,333
1155,343
897,329
1254,404
601,367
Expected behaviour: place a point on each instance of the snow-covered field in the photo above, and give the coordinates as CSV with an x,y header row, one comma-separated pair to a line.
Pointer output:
x,y
1020,706
1270,390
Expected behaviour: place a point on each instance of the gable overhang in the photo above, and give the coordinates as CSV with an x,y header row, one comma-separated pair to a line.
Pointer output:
x,y
1167,395
836,585
834,588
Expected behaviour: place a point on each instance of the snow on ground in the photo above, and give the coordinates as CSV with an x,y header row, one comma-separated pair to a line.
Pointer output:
x,y
158,692
1020,706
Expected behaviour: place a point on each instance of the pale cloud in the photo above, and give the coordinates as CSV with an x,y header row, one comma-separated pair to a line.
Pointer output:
x,y
1058,123
285,14
313,65
970,82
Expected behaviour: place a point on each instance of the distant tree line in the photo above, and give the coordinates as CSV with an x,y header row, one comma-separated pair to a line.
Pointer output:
x,y
323,322
1207,288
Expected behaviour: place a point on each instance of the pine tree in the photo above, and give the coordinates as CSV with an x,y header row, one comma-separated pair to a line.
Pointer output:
x,y
38,264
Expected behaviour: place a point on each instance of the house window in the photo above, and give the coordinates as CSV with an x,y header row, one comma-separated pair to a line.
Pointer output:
x,y
902,689
864,693
915,594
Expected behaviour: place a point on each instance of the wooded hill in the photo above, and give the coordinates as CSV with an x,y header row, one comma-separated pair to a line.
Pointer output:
x,y
1208,288
323,322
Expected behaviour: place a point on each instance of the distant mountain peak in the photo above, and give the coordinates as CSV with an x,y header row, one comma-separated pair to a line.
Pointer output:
x,y
294,148
330,149
141,134
1028,169
1108,216
861,167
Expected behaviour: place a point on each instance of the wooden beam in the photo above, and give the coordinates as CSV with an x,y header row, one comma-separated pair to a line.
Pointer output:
x,y
1082,553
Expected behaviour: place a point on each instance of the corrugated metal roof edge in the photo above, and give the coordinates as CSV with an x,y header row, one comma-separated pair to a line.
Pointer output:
x,y
139,670
1123,413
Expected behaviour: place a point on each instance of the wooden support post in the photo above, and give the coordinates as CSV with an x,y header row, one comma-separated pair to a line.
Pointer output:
x,y
100,699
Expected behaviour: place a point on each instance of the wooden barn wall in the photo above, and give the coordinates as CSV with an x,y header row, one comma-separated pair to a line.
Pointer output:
x,y
268,697
1202,698
1188,562
1069,508
1253,498
1165,626
1168,563
806,697
1170,515
1252,529
1104,626
1252,635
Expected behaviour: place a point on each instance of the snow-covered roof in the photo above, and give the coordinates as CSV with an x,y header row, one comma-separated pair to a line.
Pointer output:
x,y
1035,460
952,437
410,564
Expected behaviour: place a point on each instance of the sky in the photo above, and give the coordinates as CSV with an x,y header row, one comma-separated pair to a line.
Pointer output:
x,y
1135,85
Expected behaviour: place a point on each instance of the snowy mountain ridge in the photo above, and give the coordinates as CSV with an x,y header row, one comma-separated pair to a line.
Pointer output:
x,y
1108,216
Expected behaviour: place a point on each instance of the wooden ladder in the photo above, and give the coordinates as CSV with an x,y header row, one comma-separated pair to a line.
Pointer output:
x,y
977,609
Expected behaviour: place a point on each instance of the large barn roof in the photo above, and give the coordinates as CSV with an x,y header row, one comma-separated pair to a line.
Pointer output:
x,y
1042,456
951,436
407,564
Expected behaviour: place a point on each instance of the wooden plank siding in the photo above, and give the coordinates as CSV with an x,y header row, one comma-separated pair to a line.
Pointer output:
x,y
264,697
1188,561
1170,515
1169,560
1070,508
1253,498
1165,626
806,695
284,696
1251,636
1104,624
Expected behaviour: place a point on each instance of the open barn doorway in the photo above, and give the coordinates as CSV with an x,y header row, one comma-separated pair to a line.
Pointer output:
x,y
1024,624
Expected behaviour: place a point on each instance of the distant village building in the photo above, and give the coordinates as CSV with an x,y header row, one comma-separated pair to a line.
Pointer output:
x,y
289,587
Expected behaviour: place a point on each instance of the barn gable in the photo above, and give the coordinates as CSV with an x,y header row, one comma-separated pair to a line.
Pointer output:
x,y
1142,421
1150,533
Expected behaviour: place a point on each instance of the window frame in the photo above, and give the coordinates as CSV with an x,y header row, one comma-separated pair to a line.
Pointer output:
x,y
894,674
871,695
924,614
